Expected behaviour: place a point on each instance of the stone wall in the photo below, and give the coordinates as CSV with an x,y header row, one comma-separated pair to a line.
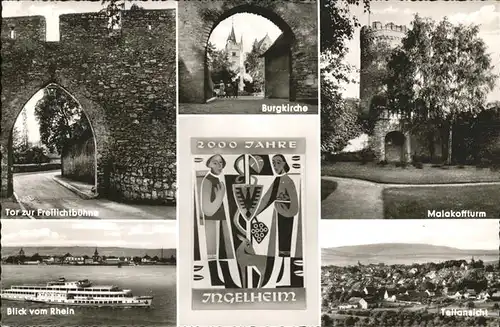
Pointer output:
x,y
277,72
297,19
370,58
377,140
125,83
28,27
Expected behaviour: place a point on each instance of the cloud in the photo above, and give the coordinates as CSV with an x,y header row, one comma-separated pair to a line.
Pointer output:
x,y
31,236
95,224
167,229
487,16
391,10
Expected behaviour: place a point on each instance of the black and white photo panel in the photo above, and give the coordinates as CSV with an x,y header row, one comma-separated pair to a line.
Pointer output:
x,y
88,110
407,134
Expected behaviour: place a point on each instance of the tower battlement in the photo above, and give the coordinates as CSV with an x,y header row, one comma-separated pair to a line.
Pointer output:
x,y
25,27
86,26
389,32
378,26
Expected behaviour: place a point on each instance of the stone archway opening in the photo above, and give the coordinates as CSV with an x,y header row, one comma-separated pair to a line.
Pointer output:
x,y
52,143
394,143
259,70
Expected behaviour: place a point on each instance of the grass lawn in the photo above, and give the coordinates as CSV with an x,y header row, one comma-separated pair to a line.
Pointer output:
x,y
409,175
413,202
327,188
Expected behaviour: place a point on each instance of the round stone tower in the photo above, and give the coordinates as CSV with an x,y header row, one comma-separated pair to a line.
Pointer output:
x,y
387,142
370,37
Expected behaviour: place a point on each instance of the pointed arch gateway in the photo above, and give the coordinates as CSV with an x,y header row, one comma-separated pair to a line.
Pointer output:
x,y
277,73
296,19
14,104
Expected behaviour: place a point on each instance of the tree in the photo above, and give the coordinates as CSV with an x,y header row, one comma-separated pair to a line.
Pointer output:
x,y
172,258
338,124
36,257
136,7
61,120
254,65
219,64
17,140
440,71
113,12
326,320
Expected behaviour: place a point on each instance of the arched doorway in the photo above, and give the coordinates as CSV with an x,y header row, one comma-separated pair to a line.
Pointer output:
x,y
394,146
51,143
297,21
248,56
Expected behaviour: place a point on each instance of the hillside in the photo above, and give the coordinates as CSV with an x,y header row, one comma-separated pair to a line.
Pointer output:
x,y
82,250
400,253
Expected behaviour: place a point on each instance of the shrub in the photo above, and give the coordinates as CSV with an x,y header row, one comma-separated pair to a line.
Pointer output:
x,y
484,163
364,156
401,164
437,161
367,155
33,155
382,163
418,165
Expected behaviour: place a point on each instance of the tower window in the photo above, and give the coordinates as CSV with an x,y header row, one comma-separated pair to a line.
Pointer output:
x,y
12,33
234,54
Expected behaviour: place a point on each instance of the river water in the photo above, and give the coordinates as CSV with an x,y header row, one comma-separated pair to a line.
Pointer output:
x,y
159,281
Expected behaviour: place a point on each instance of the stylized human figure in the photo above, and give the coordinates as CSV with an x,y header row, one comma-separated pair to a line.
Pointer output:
x,y
283,194
213,192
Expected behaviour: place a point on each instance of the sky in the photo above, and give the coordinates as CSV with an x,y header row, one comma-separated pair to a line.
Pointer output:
x,y
51,10
483,13
31,121
129,234
468,234
249,26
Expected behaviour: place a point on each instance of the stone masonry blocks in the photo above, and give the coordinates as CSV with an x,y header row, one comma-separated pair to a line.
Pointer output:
x,y
197,19
125,83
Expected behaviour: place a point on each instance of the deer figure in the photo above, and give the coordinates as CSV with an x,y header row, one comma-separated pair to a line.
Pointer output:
x,y
246,257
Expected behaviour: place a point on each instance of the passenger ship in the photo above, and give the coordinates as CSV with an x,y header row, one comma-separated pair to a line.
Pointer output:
x,y
78,293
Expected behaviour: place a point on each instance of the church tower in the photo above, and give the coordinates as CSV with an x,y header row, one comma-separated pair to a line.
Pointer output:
x,y
21,252
95,257
234,50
